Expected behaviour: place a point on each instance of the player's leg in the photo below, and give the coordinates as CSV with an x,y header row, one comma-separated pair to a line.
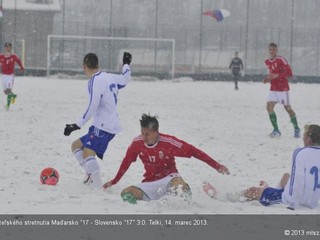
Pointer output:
x,y
236,83
285,100
7,82
294,120
252,193
9,95
92,167
237,75
77,150
177,183
95,143
271,196
283,181
132,194
273,118
156,189
235,78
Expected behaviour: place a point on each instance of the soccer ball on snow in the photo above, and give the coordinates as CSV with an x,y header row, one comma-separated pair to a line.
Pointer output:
x,y
49,176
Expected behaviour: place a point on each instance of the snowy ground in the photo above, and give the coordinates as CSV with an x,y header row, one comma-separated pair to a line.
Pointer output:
x,y
231,126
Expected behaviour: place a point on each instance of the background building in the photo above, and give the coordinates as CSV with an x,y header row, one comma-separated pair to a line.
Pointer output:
x,y
27,23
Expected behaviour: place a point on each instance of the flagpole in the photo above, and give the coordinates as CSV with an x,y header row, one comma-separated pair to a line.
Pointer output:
x,y
200,40
1,22
291,32
246,39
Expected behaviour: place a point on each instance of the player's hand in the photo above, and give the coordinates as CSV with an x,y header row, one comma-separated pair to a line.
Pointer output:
x,y
267,79
70,128
273,75
223,170
107,185
127,58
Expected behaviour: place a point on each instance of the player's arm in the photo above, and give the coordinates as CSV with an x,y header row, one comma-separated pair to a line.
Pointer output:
x,y
230,66
188,150
130,157
199,154
125,76
286,71
18,61
269,77
241,64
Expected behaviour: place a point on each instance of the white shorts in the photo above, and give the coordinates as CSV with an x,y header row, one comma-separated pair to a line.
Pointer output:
x,y
279,97
156,189
7,81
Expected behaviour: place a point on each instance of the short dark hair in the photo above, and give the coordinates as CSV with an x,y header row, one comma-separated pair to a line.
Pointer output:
x,y
313,131
273,45
91,60
8,44
150,122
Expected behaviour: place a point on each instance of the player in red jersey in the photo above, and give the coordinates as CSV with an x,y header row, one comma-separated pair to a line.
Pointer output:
x,y
157,152
7,61
279,72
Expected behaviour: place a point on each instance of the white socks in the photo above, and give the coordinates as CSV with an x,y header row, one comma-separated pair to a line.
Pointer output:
x,y
94,171
78,153
90,166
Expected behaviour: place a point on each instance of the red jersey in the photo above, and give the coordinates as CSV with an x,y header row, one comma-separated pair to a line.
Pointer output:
x,y
159,159
279,65
7,63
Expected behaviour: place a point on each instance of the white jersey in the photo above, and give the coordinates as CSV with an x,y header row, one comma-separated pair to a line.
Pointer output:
x,y
303,187
103,92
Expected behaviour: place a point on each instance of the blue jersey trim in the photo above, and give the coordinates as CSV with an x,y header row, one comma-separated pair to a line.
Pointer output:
x,y
90,89
120,86
127,70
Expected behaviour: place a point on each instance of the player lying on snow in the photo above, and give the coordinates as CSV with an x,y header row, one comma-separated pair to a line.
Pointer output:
x,y
157,152
302,188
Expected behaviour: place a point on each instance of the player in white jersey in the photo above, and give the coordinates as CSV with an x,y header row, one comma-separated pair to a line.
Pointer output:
x,y
302,187
103,92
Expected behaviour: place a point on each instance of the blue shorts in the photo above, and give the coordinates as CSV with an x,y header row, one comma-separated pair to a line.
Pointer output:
x,y
271,196
97,140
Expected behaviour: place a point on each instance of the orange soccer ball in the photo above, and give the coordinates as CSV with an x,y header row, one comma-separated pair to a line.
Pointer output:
x,y
49,176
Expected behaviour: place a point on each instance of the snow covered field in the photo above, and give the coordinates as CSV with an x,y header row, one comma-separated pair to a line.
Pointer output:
x,y
231,126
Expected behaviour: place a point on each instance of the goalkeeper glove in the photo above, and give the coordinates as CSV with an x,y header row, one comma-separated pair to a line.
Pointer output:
x,y
127,57
70,128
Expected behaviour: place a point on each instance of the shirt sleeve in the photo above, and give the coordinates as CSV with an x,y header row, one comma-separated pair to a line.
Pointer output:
x,y
130,157
188,150
123,78
18,61
285,71
94,98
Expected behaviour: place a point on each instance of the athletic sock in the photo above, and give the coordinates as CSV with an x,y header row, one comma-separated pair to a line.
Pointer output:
x,y
9,97
13,98
94,171
273,119
295,122
78,153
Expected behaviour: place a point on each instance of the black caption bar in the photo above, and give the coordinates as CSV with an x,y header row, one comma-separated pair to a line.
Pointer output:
x,y
149,227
